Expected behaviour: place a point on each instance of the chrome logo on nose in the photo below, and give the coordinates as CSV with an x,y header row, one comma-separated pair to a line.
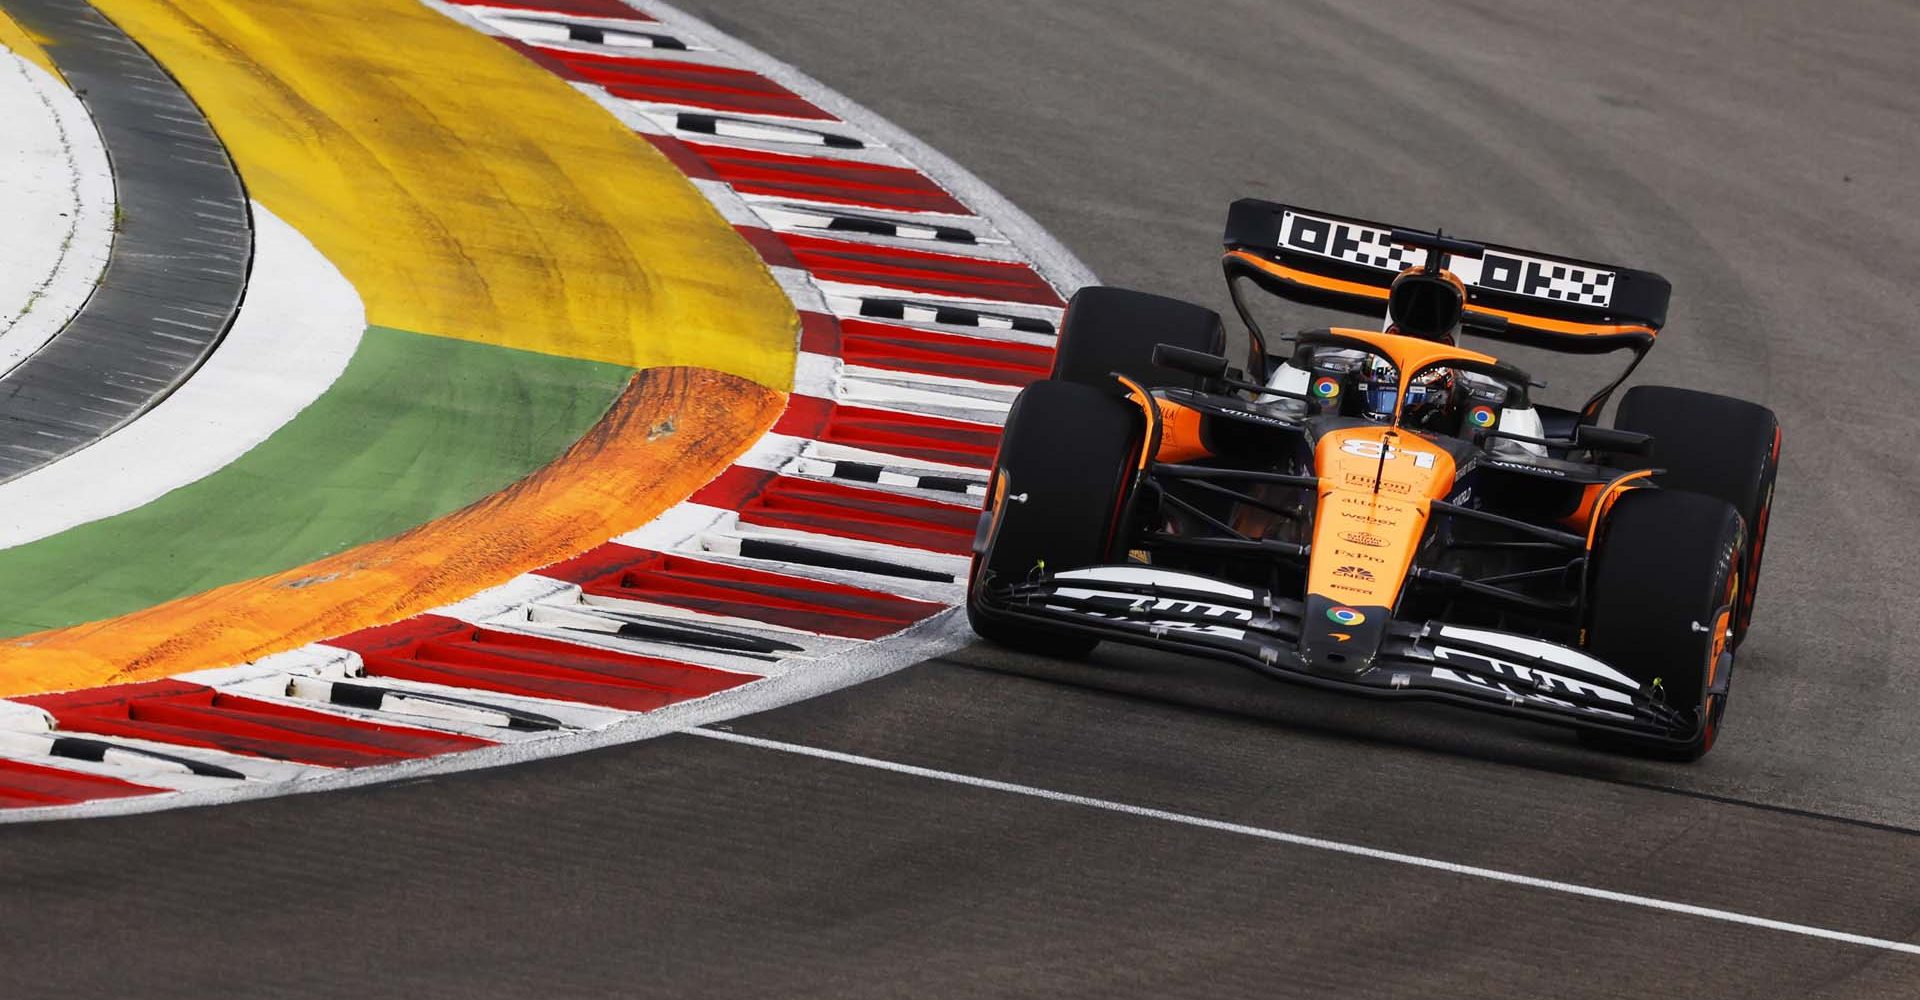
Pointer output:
x,y
1345,616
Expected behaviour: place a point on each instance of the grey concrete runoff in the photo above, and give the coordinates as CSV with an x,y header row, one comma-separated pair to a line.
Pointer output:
x,y
182,246
1758,154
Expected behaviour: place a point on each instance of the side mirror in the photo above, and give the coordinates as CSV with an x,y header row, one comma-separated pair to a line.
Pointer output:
x,y
1478,320
1609,439
1181,359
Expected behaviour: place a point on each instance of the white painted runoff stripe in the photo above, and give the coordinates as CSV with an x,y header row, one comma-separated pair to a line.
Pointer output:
x,y
300,321
56,197
1319,844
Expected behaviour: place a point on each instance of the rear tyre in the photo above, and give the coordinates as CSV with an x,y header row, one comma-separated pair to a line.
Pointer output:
x,y
1666,587
1066,462
1115,329
1723,447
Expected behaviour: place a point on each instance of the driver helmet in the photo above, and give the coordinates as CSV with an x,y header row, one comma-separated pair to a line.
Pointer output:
x,y
1427,394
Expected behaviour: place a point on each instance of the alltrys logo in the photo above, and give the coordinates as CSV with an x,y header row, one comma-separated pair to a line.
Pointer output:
x,y
1482,416
1345,616
1326,388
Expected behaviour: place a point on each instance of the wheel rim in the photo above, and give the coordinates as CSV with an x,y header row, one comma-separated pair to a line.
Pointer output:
x,y
1712,706
977,566
1753,561
1757,545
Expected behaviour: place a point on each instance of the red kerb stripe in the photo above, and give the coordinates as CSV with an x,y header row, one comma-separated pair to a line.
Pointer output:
x,y
899,348
194,715
579,8
815,178
921,271
819,334
24,785
866,515
910,435
717,88
441,650
737,592
767,244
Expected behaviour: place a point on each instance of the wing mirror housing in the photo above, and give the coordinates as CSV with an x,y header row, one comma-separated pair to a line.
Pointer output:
x,y
1181,359
1613,440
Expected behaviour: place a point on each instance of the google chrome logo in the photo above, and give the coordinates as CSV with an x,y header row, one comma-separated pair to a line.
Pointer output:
x,y
1345,616
1326,388
1482,416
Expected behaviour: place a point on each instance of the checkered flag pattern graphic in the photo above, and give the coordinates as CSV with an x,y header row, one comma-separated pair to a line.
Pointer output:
x,y
1499,270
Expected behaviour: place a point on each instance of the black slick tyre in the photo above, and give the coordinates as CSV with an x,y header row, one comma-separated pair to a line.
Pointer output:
x,y
1115,329
1665,589
1066,462
1716,445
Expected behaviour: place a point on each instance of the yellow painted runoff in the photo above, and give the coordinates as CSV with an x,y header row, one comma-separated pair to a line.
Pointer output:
x,y
465,191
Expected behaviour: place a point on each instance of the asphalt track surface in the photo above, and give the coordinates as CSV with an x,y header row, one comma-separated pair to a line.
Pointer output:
x,y
1758,154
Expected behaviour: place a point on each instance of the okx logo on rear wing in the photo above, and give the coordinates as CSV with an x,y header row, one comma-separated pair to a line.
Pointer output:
x,y
1521,296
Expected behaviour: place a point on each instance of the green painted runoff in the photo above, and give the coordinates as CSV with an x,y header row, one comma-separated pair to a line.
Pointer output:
x,y
416,427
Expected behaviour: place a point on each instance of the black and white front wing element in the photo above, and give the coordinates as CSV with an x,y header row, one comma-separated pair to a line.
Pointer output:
x,y
1480,668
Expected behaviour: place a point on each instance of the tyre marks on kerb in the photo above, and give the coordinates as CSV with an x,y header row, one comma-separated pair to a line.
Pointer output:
x,y
849,522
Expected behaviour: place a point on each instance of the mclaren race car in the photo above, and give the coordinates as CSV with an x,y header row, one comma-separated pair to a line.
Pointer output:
x,y
1383,511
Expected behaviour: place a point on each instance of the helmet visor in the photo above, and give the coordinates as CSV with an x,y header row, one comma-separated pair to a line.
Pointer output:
x,y
1379,396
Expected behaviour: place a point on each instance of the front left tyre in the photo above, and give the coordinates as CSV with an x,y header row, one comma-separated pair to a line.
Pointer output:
x,y
1666,588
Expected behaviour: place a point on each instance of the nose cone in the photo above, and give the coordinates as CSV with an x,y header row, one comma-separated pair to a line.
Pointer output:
x,y
1341,640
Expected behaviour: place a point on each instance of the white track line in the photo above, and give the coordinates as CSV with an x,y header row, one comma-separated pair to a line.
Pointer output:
x,y
1337,847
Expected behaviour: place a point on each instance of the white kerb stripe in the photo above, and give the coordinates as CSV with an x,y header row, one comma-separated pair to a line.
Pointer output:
x,y
1337,847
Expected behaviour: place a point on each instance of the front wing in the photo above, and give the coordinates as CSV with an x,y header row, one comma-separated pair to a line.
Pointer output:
x,y
1490,670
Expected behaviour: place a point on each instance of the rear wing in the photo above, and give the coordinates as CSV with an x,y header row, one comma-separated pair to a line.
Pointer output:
x,y
1515,295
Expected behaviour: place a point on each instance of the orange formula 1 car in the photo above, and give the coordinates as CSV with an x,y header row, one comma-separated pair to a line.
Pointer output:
x,y
1385,512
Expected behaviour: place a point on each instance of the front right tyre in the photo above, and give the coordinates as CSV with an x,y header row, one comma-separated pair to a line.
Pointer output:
x,y
1067,460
